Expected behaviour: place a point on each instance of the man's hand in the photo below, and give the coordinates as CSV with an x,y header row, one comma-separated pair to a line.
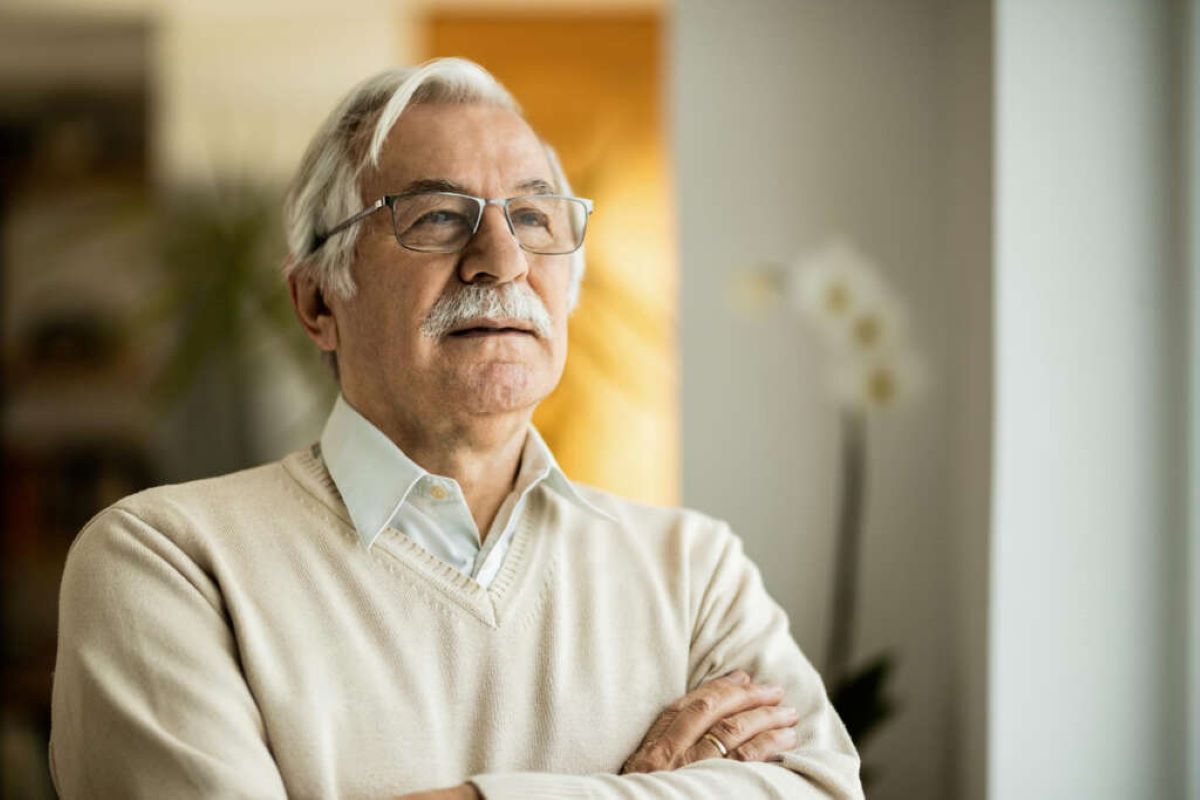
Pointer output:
x,y
744,716
465,791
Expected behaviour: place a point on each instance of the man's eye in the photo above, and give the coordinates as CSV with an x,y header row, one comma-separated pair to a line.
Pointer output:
x,y
530,218
440,218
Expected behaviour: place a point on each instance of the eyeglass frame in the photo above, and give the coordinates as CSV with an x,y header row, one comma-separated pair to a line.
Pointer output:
x,y
389,200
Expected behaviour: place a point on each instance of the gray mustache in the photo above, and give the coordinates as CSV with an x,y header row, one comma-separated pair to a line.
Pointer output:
x,y
507,301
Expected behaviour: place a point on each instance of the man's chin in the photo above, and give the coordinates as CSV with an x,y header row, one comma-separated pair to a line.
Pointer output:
x,y
497,388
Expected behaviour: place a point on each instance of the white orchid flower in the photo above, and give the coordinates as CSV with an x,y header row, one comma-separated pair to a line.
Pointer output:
x,y
834,285
883,380
877,325
832,281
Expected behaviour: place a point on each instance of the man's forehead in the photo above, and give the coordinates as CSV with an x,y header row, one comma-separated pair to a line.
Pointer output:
x,y
458,147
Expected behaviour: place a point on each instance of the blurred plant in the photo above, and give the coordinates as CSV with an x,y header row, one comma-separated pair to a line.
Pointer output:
x,y
223,296
871,368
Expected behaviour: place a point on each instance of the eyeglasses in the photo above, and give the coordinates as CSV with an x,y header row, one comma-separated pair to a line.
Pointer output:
x,y
444,222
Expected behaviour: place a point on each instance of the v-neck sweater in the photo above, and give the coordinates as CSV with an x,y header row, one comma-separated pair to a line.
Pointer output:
x,y
231,637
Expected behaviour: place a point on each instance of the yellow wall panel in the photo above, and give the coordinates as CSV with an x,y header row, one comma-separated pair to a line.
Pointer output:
x,y
590,85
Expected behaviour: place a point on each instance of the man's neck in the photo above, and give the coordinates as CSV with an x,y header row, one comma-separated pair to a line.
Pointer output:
x,y
483,454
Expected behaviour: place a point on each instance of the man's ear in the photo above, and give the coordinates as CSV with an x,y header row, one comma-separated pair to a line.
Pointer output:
x,y
315,315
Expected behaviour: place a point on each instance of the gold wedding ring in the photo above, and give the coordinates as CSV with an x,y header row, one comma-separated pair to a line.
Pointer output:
x,y
716,743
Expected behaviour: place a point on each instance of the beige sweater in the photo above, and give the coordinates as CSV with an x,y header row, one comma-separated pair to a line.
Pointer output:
x,y
231,638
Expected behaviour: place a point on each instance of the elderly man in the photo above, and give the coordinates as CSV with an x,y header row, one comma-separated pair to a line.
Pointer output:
x,y
423,604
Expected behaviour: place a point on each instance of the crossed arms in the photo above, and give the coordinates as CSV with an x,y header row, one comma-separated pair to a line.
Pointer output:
x,y
150,699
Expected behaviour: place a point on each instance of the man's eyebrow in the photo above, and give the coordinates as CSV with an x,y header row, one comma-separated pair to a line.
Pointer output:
x,y
434,185
531,186
535,186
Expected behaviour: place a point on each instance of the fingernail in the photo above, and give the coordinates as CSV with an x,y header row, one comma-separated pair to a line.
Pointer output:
x,y
738,676
788,711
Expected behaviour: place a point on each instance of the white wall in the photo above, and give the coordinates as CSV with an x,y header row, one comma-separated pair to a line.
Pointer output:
x,y
1191,208
966,145
795,120
1087,572
242,86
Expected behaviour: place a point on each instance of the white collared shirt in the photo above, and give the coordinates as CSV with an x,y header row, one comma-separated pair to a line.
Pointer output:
x,y
382,487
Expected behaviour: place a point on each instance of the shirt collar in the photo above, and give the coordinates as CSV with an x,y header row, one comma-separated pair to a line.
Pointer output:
x,y
539,456
375,477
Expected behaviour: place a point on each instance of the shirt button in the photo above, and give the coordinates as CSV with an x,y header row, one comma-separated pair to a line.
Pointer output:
x,y
438,492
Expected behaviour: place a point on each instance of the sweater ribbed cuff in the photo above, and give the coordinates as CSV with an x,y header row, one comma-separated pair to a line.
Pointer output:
x,y
531,786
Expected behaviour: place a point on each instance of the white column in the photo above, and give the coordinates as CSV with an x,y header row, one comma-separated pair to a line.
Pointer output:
x,y
1086,644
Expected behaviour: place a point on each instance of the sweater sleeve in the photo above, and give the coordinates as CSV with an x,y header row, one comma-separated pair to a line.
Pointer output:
x,y
149,699
736,624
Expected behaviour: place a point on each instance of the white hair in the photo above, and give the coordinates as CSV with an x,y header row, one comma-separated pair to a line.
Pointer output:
x,y
326,189
504,302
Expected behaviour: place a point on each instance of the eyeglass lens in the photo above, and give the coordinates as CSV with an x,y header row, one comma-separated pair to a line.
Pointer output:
x,y
443,223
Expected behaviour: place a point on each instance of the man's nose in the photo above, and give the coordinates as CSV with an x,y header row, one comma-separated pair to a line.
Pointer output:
x,y
493,255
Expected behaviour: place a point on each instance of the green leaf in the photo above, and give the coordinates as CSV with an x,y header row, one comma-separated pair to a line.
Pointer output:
x,y
861,698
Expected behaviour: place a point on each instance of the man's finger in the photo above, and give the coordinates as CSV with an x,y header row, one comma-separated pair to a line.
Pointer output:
x,y
734,731
765,746
700,710
709,746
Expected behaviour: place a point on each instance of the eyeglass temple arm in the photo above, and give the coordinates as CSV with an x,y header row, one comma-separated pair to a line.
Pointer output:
x,y
341,226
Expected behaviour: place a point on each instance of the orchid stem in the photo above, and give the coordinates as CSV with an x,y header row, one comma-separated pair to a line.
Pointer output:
x,y
849,540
